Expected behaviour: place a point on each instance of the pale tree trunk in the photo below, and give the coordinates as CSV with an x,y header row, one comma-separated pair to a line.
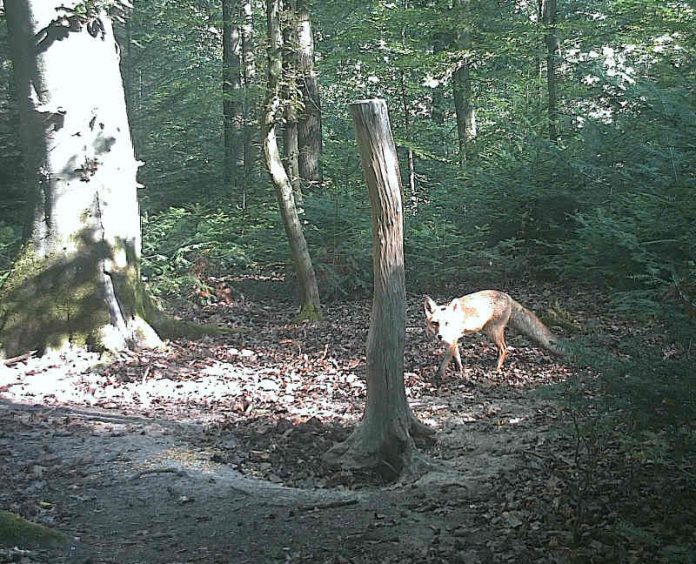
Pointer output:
x,y
306,279
290,131
410,157
77,279
383,439
249,130
309,124
232,107
461,84
549,16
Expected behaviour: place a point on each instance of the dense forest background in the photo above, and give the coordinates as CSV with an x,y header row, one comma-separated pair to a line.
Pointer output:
x,y
538,141
604,199
575,165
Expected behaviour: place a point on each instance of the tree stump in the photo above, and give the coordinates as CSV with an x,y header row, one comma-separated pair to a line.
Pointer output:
x,y
384,438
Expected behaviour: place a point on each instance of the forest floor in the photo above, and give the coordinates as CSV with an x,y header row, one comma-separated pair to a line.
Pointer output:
x,y
211,451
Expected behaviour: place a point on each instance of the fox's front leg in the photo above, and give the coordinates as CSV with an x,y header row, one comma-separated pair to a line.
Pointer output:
x,y
451,352
457,358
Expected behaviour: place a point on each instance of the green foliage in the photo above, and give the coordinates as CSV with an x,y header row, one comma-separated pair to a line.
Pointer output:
x,y
338,231
640,234
181,244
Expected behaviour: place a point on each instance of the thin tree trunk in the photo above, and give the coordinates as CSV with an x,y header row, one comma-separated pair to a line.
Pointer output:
x,y
309,292
232,107
461,84
410,159
290,144
249,131
77,279
441,42
552,49
384,438
309,124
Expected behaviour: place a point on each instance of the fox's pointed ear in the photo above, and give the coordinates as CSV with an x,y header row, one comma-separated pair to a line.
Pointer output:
x,y
429,305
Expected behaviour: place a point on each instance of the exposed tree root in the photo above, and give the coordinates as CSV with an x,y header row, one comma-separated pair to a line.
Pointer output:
x,y
392,453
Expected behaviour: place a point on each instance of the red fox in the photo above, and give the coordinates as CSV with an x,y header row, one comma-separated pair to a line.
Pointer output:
x,y
489,312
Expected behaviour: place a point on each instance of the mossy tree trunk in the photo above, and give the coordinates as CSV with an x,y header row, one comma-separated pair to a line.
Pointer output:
x,y
77,279
384,438
304,270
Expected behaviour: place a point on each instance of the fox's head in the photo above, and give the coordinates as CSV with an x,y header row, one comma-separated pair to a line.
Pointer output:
x,y
443,321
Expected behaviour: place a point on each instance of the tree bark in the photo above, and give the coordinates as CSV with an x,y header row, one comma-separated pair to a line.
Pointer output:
x,y
77,279
307,283
309,124
291,141
549,17
249,129
384,438
461,84
232,107
410,157
442,41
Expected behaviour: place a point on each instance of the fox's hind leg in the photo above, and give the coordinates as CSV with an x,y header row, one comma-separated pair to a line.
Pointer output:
x,y
497,333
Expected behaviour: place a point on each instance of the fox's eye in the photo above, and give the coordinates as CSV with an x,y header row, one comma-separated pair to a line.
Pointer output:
x,y
435,323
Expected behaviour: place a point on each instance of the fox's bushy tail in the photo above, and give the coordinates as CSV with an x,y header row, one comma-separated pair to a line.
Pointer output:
x,y
526,322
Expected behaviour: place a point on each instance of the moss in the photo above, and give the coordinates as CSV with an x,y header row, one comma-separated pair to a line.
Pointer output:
x,y
50,301
15,531
309,312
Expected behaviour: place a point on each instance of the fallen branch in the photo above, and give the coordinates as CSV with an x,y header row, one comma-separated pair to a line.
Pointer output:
x,y
20,358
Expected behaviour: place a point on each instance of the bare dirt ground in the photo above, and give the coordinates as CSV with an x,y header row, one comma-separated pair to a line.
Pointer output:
x,y
210,451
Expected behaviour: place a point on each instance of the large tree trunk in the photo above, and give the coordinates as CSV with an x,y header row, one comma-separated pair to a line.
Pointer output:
x,y
309,123
232,107
552,48
306,279
461,84
77,279
384,438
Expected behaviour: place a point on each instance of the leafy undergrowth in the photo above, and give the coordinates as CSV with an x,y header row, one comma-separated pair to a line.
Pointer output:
x,y
257,409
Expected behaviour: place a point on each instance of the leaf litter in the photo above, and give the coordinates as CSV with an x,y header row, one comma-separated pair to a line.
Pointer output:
x,y
211,451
